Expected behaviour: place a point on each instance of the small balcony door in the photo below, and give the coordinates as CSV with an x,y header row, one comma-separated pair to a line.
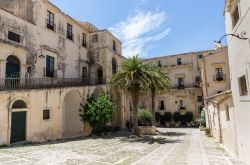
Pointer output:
x,y
50,64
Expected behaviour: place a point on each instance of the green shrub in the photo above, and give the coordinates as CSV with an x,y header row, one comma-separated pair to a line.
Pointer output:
x,y
177,117
168,116
97,112
189,117
145,116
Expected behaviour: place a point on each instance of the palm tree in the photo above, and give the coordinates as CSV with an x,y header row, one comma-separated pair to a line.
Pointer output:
x,y
134,76
159,82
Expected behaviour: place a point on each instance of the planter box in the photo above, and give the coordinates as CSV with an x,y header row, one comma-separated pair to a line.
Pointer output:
x,y
147,130
167,124
177,124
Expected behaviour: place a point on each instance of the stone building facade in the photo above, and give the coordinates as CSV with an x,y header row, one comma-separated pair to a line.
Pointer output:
x,y
185,93
49,64
237,20
218,101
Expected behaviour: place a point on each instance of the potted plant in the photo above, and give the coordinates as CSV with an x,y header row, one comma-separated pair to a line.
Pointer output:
x,y
167,118
177,118
145,121
189,117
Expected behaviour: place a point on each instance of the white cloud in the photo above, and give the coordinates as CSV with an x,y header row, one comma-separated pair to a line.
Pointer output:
x,y
136,31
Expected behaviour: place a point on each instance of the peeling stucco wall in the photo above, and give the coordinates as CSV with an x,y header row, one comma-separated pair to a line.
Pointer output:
x,y
19,8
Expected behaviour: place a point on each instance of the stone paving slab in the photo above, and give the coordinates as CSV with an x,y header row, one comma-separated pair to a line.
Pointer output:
x,y
169,146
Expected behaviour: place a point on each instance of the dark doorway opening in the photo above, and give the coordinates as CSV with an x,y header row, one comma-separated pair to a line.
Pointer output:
x,y
18,127
100,75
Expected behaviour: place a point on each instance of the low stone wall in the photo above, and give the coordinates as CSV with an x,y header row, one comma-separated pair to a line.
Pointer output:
x,y
147,130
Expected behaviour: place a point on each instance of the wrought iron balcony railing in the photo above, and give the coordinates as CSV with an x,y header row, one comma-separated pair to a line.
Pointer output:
x,y
219,77
43,83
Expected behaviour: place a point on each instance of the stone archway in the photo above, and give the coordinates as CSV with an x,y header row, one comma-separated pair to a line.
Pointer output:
x,y
72,126
18,122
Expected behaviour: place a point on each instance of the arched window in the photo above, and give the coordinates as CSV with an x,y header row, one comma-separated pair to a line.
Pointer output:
x,y
19,104
114,66
12,67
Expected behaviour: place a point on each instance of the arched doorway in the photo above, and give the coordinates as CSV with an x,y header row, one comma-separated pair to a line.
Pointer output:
x,y
18,121
72,125
114,66
12,67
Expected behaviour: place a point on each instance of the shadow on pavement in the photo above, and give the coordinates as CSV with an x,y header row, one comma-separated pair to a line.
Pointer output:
x,y
149,140
160,138
171,133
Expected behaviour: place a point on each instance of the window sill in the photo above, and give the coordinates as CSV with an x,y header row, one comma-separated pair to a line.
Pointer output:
x,y
244,98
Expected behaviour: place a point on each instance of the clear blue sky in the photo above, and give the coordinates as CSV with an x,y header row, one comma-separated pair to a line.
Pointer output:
x,y
153,27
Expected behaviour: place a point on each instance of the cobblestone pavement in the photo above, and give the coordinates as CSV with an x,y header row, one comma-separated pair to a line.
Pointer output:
x,y
171,146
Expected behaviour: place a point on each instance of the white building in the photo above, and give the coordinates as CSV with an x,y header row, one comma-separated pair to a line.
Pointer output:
x,y
237,18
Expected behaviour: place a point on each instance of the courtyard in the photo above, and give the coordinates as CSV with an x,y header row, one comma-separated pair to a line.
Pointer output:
x,y
169,146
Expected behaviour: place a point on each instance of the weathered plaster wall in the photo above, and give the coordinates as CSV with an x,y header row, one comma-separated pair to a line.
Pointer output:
x,y
20,8
39,100
239,61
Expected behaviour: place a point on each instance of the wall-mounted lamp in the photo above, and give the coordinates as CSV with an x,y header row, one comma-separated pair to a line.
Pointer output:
x,y
39,53
217,44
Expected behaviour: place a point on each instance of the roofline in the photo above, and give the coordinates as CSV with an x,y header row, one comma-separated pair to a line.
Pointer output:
x,y
66,15
189,53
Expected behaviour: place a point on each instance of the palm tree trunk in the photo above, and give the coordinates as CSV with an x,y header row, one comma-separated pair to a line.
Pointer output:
x,y
153,106
135,99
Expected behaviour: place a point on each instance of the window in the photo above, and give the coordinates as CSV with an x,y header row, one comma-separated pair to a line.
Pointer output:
x,y
46,114
162,105
181,82
200,56
179,62
235,16
50,20
181,105
95,38
142,105
19,104
243,86
50,66
219,74
114,66
159,64
69,31
84,72
114,45
14,37
197,79
227,113
199,98
84,40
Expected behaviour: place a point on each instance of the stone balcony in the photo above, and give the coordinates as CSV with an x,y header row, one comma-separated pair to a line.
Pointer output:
x,y
7,84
